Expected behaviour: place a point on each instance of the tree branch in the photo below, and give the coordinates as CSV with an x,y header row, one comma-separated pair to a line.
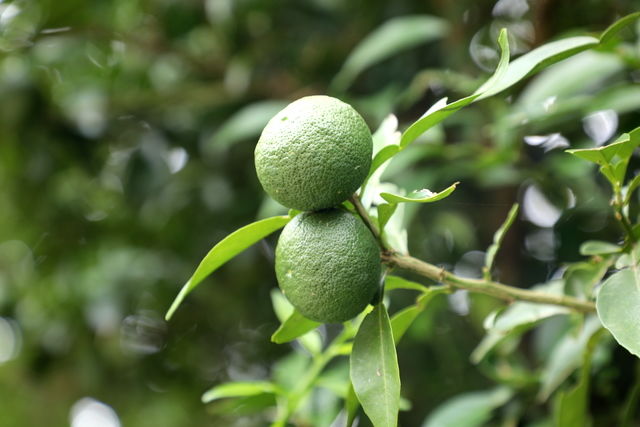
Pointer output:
x,y
487,287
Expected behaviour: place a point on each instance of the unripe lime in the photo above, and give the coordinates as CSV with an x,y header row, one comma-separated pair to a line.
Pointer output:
x,y
314,154
328,265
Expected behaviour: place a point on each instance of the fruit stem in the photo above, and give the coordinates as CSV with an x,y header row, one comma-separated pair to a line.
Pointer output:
x,y
355,200
483,286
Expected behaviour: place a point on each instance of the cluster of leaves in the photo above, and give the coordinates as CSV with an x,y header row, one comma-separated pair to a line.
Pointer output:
x,y
372,379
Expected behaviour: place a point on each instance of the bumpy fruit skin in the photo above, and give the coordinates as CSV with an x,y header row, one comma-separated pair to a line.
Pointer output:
x,y
314,154
328,265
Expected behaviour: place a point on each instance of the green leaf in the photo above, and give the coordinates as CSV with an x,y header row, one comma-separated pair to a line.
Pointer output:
x,y
572,407
385,146
382,156
285,312
523,313
567,81
403,319
420,196
432,118
614,28
622,148
294,327
439,112
393,36
597,247
351,405
240,406
239,389
498,237
225,250
540,58
281,305
633,186
246,123
566,357
518,318
582,277
468,409
385,211
593,155
374,369
618,305
498,75
395,282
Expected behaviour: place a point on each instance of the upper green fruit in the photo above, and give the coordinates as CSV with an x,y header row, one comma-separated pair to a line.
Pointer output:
x,y
314,154
328,265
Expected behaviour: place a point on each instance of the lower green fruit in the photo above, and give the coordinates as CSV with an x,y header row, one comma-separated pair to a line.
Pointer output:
x,y
328,265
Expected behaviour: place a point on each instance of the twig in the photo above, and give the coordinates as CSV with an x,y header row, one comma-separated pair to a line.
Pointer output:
x,y
487,287
355,200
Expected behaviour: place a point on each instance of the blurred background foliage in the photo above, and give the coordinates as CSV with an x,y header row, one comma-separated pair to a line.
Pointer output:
x,y
127,131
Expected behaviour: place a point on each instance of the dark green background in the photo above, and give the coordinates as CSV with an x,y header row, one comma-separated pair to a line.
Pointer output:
x,y
115,180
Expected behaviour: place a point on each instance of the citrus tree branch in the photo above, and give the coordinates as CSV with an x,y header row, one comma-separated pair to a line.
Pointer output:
x,y
487,287
482,286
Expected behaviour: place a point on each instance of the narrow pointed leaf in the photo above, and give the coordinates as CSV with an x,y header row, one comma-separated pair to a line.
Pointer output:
x,y
390,38
395,282
429,120
239,389
498,237
294,327
374,369
402,320
441,112
622,147
385,211
596,247
420,196
386,141
539,58
614,28
382,156
225,250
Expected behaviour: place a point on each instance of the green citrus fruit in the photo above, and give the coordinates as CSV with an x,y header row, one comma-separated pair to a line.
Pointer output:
x,y
314,154
328,265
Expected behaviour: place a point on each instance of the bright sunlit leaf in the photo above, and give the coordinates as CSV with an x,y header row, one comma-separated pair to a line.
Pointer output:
x,y
239,389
